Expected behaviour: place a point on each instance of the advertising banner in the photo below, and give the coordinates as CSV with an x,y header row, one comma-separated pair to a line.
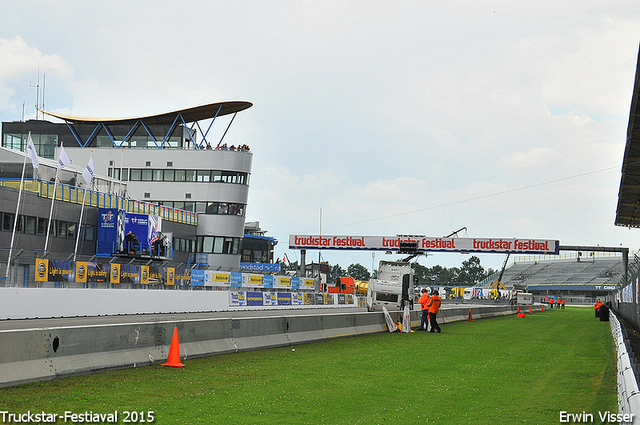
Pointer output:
x,y
252,280
221,278
283,281
268,281
129,273
284,298
307,283
42,270
81,272
107,231
97,272
60,271
171,276
236,279
114,273
269,298
182,277
259,267
426,244
144,275
237,299
254,298
295,282
197,277
309,299
297,298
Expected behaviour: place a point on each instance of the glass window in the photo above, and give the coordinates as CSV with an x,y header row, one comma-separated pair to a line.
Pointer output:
x,y
89,232
125,174
216,176
61,231
7,222
158,175
189,206
178,205
146,175
180,175
190,175
169,175
42,226
71,230
208,244
223,208
136,174
218,245
201,207
203,175
212,208
31,225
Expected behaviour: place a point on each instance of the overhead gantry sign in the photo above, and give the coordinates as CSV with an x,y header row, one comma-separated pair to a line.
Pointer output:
x,y
404,244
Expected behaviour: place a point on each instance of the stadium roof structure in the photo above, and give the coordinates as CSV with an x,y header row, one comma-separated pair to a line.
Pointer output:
x,y
172,119
194,114
628,211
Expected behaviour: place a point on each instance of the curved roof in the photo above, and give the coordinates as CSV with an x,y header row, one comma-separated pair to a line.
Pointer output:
x,y
196,113
628,211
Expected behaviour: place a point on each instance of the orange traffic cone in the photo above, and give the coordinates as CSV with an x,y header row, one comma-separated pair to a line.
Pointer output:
x,y
518,310
520,315
531,309
470,319
174,352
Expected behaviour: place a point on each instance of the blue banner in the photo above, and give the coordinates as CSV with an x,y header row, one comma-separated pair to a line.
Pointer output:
x,y
260,267
268,281
236,279
197,277
284,298
254,298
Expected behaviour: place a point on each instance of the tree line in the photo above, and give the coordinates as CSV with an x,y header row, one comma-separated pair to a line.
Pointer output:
x,y
469,273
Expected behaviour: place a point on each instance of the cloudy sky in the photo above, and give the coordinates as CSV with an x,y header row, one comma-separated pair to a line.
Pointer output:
x,y
507,117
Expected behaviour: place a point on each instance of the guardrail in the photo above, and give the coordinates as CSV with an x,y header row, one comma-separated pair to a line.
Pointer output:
x,y
96,199
628,393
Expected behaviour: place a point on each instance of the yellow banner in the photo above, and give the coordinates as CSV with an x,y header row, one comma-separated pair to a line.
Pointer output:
x,y
285,281
171,276
115,273
81,271
221,277
42,270
255,280
144,275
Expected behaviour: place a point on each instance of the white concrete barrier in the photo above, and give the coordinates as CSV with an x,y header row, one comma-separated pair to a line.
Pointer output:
x,y
628,394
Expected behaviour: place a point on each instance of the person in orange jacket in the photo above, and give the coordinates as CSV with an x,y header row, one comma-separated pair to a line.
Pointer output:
x,y
434,307
550,302
424,301
597,306
563,303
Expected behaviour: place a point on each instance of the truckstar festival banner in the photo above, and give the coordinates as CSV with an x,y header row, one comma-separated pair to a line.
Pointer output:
x,y
425,243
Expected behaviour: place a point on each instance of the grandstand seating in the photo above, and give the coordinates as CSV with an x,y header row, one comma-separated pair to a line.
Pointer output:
x,y
600,271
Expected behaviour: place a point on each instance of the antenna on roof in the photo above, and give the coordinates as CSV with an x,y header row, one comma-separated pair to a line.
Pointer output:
x,y
37,86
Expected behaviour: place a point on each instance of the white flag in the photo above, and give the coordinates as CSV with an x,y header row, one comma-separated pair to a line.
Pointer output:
x,y
87,174
31,152
64,160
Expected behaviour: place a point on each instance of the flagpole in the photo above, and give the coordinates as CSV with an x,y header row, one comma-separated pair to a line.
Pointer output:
x,y
15,219
63,161
84,196
55,186
75,251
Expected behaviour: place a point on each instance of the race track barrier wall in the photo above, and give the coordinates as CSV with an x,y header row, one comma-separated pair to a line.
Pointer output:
x,y
628,394
51,352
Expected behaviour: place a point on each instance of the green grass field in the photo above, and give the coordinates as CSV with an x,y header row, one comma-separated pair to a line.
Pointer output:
x,y
491,371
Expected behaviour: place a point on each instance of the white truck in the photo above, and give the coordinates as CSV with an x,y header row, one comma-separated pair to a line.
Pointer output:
x,y
524,298
393,288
